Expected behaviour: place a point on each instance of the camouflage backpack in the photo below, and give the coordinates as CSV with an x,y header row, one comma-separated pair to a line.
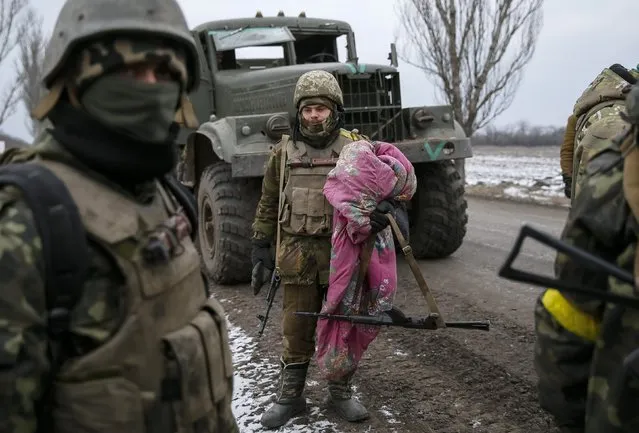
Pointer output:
x,y
64,239
597,113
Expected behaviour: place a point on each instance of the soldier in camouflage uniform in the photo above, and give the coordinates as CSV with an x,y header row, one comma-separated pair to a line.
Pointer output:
x,y
583,344
148,350
306,229
596,120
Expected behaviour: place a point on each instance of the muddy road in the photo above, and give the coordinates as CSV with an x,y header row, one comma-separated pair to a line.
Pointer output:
x,y
447,381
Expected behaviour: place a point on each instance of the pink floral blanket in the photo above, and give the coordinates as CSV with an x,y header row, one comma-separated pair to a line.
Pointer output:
x,y
366,173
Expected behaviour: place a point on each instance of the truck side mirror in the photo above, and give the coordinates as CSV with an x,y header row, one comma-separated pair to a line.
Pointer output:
x,y
392,56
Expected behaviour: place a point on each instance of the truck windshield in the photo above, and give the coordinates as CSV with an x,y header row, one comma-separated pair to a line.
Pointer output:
x,y
225,40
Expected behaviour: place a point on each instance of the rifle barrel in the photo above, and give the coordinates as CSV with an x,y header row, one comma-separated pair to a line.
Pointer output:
x,y
386,321
479,324
270,297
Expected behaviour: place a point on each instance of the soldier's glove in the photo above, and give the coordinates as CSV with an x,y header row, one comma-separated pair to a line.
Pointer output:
x,y
263,263
567,185
379,220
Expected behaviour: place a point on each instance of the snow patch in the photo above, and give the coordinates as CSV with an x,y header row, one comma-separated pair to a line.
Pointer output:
x,y
255,381
524,177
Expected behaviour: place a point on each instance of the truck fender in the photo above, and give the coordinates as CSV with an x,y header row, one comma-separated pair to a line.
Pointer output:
x,y
220,135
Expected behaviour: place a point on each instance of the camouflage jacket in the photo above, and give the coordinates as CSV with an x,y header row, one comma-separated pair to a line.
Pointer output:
x,y
568,146
582,343
24,360
597,119
302,259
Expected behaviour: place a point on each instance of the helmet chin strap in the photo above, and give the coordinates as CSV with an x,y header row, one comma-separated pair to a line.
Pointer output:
x,y
48,101
185,115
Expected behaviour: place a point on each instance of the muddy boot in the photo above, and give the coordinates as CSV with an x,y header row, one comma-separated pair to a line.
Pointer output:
x,y
341,398
290,401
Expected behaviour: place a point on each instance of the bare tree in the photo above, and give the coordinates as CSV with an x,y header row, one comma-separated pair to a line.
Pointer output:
x,y
11,32
29,66
475,51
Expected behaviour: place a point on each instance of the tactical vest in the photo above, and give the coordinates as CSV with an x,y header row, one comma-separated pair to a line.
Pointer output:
x,y
168,366
597,112
606,90
305,210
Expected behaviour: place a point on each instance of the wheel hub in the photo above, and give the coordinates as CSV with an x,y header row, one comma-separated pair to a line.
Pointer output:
x,y
208,226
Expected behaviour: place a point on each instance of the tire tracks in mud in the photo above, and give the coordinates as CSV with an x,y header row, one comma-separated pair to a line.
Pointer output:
x,y
458,380
444,381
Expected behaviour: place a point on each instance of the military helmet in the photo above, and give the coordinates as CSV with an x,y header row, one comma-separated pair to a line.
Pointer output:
x,y
80,21
318,83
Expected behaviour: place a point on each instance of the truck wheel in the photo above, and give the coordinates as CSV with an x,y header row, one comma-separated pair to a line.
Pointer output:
x,y
226,208
438,214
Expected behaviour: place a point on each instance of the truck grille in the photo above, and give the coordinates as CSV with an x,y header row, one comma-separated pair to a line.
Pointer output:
x,y
372,104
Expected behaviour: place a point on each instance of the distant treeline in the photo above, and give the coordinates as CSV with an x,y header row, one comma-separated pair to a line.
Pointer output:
x,y
521,134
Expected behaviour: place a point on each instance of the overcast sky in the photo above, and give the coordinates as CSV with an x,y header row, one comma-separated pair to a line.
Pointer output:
x,y
578,39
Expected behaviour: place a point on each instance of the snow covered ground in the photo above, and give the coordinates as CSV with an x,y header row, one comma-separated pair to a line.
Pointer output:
x,y
254,387
527,174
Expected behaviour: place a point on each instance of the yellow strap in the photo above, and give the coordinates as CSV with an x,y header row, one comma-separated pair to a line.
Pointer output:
x,y
570,317
349,134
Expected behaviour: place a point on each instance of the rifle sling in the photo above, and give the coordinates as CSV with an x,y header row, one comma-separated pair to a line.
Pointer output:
x,y
365,258
364,261
419,277
283,156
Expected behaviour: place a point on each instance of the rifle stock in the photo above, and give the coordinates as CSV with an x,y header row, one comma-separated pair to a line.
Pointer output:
x,y
578,255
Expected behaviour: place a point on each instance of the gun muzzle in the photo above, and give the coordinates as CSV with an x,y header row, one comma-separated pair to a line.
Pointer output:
x,y
482,325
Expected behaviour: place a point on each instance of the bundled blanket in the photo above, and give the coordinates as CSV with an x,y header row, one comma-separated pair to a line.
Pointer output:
x,y
366,173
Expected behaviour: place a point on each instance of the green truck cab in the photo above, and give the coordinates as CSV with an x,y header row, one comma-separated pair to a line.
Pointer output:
x,y
244,105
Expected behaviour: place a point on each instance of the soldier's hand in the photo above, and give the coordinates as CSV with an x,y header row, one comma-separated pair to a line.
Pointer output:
x,y
259,277
379,220
262,253
263,263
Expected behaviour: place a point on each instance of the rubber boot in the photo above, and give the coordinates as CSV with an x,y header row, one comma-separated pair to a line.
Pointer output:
x,y
341,398
290,401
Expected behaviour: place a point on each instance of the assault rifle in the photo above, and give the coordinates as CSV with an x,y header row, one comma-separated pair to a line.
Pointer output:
x,y
395,317
270,297
630,367
580,256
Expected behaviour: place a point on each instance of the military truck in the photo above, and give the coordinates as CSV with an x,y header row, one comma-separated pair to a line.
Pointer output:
x,y
244,105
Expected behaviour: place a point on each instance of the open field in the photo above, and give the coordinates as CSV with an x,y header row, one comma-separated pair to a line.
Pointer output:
x,y
516,173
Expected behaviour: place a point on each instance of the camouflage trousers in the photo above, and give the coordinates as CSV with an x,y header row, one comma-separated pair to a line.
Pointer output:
x,y
299,332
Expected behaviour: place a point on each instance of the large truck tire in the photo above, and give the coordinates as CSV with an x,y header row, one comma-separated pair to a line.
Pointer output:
x,y
226,208
438,211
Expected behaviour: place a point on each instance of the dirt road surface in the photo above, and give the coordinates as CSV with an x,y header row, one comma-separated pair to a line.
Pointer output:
x,y
447,381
